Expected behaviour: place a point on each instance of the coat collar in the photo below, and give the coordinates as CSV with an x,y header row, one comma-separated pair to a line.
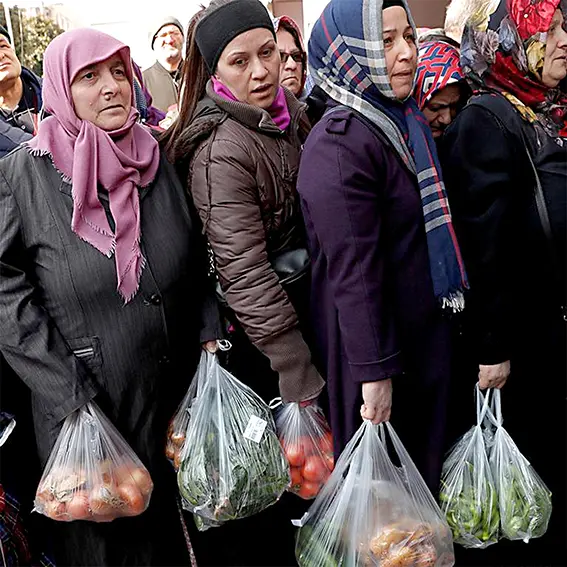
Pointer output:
x,y
254,117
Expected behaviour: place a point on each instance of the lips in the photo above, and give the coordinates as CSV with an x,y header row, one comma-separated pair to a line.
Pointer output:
x,y
262,89
407,73
113,107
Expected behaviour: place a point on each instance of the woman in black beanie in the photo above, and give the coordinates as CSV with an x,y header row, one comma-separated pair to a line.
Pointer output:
x,y
237,142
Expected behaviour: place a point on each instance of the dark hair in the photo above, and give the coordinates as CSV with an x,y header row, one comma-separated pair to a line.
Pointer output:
x,y
192,88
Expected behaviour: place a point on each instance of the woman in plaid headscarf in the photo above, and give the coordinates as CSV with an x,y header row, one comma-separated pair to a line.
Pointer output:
x,y
384,254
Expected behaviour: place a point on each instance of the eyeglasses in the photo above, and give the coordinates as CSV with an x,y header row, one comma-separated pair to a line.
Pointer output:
x,y
297,56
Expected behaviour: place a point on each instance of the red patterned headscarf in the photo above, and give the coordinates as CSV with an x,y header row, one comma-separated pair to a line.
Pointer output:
x,y
503,50
438,66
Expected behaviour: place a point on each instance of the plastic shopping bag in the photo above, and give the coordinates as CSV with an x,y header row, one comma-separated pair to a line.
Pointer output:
x,y
523,498
232,464
92,473
178,425
468,491
372,513
307,442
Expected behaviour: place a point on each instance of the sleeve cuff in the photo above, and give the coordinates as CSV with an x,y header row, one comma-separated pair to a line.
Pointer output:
x,y
380,370
71,404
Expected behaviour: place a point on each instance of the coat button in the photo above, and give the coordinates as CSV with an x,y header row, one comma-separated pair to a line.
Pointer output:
x,y
155,299
164,360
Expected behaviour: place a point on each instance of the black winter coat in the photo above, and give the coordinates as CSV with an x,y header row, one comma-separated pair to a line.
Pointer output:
x,y
66,332
514,306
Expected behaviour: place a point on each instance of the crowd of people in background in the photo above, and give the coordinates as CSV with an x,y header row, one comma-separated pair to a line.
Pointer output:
x,y
414,183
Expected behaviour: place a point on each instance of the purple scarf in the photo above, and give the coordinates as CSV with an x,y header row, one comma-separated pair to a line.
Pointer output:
x,y
120,161
278,109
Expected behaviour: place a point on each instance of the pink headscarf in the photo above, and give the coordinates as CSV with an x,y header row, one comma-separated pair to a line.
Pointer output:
x,y
120,160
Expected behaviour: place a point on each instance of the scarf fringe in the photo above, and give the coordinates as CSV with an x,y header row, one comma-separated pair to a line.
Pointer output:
x,y
141,266
41,153
455,302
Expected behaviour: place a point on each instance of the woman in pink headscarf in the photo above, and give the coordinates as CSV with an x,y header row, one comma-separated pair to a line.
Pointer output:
x,y
100,289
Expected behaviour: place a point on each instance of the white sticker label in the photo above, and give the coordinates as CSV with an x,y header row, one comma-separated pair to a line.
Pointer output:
x,y
255,429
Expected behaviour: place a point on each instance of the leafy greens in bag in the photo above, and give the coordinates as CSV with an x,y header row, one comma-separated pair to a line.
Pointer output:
x,y
232,465
468,491
523,498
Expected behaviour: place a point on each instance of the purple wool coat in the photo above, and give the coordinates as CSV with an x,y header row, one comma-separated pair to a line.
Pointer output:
x,y
373,307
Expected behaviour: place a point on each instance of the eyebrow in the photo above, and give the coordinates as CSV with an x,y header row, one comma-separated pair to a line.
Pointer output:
x,y
392,30
234,53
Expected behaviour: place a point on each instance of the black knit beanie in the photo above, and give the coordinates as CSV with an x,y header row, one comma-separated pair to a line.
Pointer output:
x,y
216,30
390,3
4,32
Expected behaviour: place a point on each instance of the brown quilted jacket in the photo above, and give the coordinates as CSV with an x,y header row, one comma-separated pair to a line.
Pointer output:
x,y
242,177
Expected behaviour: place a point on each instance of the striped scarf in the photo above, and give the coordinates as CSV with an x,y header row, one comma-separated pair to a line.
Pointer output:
x,y
346,60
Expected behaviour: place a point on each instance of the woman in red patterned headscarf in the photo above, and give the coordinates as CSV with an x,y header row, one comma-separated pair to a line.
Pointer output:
x,y
440,90
514,53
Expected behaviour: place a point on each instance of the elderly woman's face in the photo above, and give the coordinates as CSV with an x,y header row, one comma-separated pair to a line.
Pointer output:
x,y
555,63
102,94
291,74
250,67
400,50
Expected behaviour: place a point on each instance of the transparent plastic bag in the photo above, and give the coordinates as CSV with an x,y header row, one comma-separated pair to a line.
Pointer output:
x,y
468,492
92,473
232,464
372,513
524,499
307,443
177,430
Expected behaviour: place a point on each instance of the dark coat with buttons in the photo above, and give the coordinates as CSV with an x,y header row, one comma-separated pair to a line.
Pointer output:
x,y
66,332
374,310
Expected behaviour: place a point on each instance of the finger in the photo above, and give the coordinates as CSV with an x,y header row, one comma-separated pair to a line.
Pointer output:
x,y
484,383
368,412
381,417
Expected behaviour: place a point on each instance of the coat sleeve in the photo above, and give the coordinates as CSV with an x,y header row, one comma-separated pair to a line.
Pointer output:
x,y
29,340
344,213
480,164
226,193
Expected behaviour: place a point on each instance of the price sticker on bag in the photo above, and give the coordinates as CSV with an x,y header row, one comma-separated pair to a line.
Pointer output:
x,y
255,429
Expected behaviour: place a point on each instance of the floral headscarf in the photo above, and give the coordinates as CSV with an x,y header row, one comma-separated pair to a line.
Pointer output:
x,y
503,50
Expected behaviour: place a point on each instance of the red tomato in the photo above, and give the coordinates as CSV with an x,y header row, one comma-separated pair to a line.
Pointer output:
x,y
309,490
314,469
296,479
294,454
308,446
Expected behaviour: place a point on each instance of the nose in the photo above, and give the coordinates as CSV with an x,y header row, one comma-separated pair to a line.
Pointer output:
x,y
110,85
406,51
562,42
259,71
445,117
290,64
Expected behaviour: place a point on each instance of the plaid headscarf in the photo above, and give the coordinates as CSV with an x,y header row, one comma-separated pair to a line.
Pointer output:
x,y
346,60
